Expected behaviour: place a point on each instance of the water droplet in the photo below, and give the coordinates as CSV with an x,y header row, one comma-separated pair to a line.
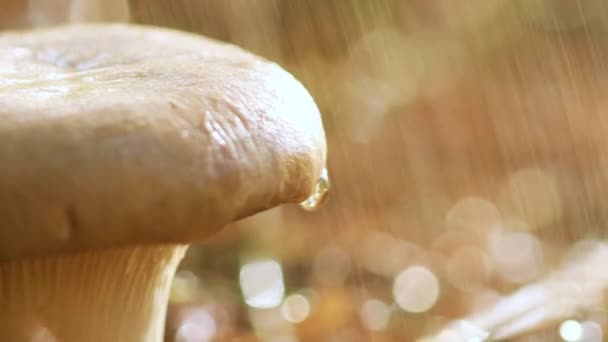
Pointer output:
x,y
320,193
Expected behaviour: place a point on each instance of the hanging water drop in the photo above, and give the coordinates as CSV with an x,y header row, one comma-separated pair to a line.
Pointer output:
x,y
319,194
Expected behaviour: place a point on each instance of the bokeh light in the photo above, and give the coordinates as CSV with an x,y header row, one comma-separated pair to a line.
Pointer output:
x,y
375,314
185,286
416,289
466,164
262,283
295,308
517,267
468,268
592,332
269,324
571,331
198,326
473,212
387,255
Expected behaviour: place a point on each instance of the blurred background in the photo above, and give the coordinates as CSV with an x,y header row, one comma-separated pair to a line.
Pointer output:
x,y
468,162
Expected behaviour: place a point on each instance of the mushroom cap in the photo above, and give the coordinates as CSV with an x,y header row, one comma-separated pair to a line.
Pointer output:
x,y
115,134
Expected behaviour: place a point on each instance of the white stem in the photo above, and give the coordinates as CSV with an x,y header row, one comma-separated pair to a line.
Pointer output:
x,y
111,295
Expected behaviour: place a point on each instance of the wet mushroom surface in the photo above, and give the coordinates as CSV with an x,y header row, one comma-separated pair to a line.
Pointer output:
x,y
121,145
468,167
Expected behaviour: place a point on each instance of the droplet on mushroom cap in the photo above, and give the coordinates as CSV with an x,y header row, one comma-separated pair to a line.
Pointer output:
x,y
167,137
320,193
121,144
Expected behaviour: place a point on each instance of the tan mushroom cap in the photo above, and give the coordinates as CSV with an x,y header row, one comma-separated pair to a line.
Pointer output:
x,y
115,135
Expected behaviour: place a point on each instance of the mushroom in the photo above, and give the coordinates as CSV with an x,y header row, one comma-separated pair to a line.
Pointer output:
x,y
119,146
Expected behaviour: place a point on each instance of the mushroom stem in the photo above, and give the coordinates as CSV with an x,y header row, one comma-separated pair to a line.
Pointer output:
x,y
107,295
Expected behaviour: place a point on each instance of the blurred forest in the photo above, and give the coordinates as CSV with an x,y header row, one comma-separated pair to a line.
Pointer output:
x,y
468,165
